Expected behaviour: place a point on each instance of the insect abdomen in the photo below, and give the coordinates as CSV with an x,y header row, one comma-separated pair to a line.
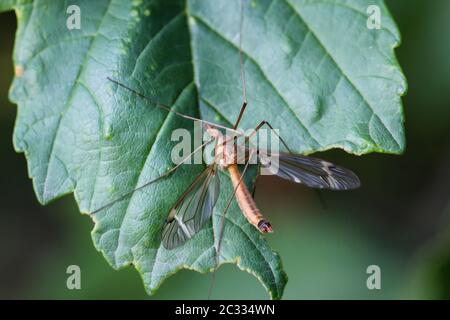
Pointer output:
x,y
246,202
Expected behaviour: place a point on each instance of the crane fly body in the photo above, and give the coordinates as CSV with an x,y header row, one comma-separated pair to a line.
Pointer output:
x,y
227,158
195,206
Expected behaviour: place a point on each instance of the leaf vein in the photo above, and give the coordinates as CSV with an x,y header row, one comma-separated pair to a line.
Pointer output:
x,y
327,52
288,107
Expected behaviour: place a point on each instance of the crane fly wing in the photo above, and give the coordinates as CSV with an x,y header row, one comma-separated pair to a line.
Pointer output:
x,y
192,210
312,172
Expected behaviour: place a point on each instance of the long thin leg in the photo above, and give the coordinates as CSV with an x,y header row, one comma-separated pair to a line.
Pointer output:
x,y
241,65
259,126
241,113
165,174
168,109
221,227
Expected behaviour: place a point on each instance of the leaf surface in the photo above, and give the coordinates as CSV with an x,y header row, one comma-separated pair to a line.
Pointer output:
x,y
314,70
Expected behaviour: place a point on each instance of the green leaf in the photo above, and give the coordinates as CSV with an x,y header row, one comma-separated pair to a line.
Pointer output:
x,y
313,69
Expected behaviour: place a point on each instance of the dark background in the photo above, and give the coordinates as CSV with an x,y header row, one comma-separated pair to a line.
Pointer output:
x,y
399,220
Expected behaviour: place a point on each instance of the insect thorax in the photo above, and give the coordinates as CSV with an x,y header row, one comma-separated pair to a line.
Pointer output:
x,y
226,151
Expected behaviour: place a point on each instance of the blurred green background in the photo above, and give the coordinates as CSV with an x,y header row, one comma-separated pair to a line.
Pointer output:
x,y
399,220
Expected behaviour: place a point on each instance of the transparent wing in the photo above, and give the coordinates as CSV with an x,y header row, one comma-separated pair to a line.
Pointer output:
x,y
192,210
313,172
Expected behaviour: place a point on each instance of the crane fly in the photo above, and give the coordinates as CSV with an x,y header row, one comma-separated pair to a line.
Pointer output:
x,y
194,208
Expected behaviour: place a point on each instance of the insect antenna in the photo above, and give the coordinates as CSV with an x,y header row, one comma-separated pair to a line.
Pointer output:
x,y
168,108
